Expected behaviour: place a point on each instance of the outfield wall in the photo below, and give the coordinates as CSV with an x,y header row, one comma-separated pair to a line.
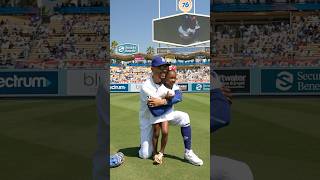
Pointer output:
x,y
255,81
272,81
185,87
26,83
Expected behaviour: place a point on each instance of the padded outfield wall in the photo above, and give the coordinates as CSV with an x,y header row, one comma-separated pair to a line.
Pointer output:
x,y
255,81
272,81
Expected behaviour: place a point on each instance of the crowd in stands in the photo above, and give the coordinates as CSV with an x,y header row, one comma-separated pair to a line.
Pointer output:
x,y
132,74
76,37
65,3
197,61
269,44
81,41
90,3
16,39
196,74
129,74
63,38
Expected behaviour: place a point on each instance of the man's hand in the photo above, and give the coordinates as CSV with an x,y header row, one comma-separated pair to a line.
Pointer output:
x,y
227,93
169,96
154,102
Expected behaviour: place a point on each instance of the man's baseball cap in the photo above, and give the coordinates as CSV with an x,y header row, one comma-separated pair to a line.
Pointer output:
x,y
158,61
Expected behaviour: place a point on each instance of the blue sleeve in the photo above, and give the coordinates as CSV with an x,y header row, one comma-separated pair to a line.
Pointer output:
x,y
160,110
176,98
220,112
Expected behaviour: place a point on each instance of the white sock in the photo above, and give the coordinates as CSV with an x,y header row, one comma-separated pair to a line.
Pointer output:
x,y
187,150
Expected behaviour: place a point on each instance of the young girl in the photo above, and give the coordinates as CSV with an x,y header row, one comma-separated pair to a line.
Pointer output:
x,y
167,90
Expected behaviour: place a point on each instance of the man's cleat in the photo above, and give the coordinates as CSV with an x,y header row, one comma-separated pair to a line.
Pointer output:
x,y
120,154
116,159
193,158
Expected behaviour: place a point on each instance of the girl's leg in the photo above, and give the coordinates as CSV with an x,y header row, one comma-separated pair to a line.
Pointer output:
x,y
164,138
155,137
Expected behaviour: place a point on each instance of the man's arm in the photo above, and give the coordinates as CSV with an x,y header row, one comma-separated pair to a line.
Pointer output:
x,y
159,110
162,109
176,98
168,100
155,102
147,93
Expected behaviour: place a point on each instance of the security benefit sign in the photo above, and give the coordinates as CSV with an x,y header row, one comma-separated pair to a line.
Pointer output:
x,y
29,83
127,48
237,80
290,81
200,87
182,29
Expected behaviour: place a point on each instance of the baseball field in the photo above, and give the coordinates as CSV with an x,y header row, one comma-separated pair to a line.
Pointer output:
x,y
125,137
47,139
279,138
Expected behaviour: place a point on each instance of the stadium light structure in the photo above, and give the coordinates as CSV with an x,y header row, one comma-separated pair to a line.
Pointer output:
x,y
184,29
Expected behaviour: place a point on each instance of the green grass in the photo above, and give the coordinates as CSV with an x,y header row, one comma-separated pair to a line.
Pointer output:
x,y
47,139
55,139
125,137
278,138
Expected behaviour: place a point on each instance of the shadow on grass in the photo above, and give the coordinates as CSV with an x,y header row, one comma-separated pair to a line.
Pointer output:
x,y
133,152
130,151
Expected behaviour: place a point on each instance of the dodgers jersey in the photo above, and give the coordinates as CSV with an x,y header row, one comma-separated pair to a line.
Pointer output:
x,y
149,88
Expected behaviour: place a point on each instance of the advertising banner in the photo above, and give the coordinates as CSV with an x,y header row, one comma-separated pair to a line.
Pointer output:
x,y
29,83
290,81
237,80
119,87
135,87
127,48
183,87
200,87
84,82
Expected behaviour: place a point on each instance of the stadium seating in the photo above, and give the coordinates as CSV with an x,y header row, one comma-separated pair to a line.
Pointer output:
x,y
272,43
64,38
138,74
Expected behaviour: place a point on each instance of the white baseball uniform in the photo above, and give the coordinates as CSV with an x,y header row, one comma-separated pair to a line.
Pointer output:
x,y
149,88
169,115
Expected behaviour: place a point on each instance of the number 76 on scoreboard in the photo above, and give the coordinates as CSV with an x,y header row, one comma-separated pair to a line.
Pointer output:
x,y
185,5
